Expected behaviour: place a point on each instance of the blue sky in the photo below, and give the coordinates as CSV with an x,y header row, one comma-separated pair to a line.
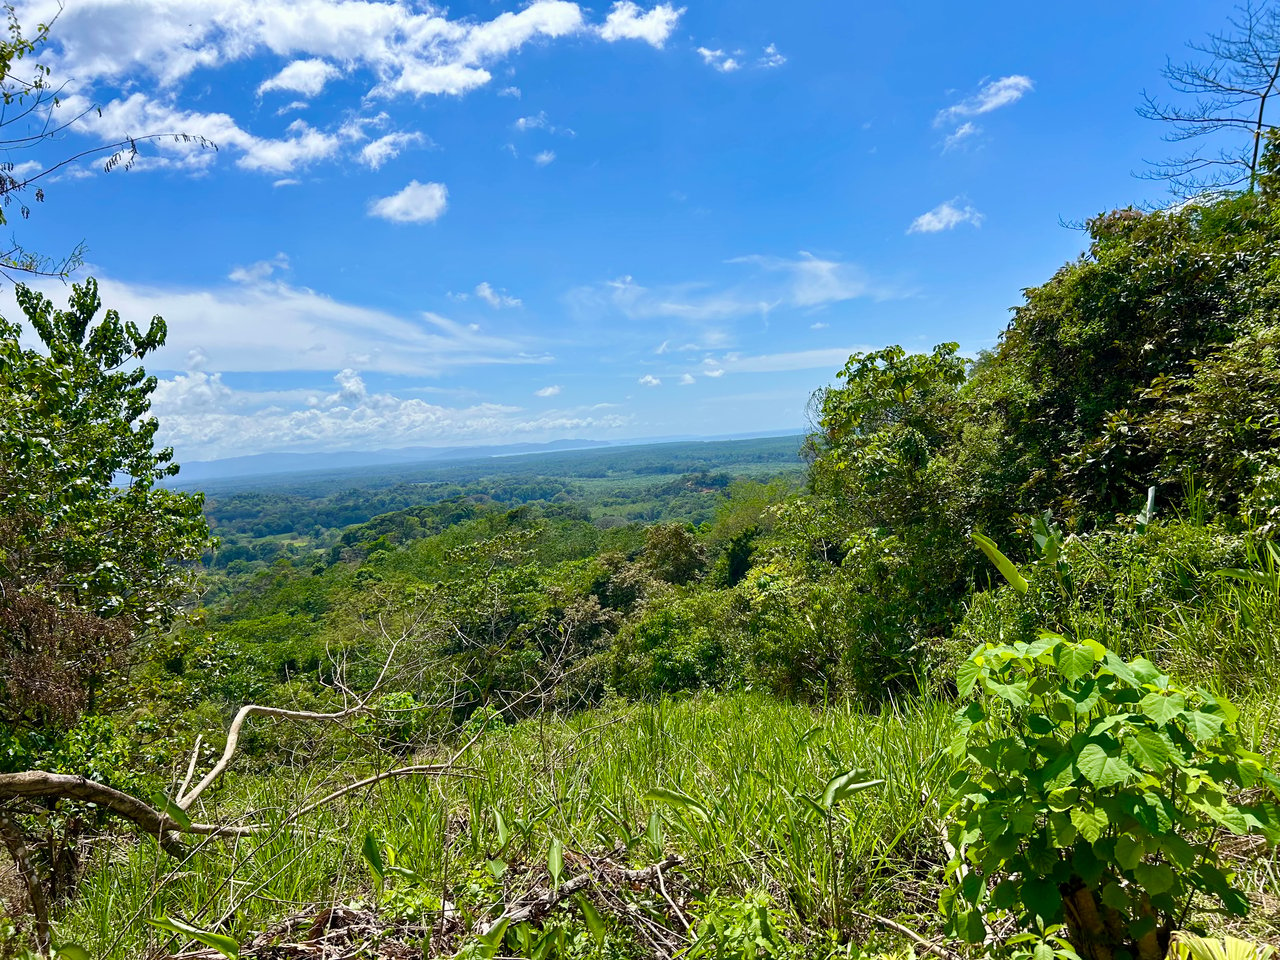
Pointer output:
x,y
495,222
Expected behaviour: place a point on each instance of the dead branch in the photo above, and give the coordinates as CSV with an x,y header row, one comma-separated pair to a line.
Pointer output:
x,y
31,877
936,949
531,908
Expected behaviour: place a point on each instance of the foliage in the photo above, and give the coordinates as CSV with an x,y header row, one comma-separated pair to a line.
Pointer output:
x,y
1094,794
94,557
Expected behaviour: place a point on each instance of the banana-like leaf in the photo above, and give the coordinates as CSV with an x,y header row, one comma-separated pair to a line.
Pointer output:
x,y
1002,563
845,785
681,801
227,946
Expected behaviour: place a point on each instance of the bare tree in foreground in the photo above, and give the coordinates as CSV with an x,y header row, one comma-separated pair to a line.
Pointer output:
x,y
1222,100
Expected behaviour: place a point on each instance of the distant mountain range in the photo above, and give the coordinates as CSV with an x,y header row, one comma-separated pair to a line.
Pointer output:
x,y
194,471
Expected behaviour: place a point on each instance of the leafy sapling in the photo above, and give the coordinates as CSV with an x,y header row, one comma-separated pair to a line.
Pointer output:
x,y
1092,799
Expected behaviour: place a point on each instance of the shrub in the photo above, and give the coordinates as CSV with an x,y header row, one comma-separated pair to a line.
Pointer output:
x,y
1094,795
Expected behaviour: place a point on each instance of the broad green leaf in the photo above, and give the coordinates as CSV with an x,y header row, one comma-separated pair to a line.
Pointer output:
x,y
1201,725
372,854
172,811
1162,707
966,676
504,834
1149,747
1090,823
72,951
1154,877
225,945
555,861
845,785
1128,851
681,801
1002,563
1074,660
595,922
1113,896
1042,898
1100,769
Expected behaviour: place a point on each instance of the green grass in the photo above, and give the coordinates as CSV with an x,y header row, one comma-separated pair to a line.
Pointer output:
x,y
581,781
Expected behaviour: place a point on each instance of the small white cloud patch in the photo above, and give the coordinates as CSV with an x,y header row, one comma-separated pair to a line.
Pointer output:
x,y
649,380
687,379
991,96
544,158
551,391
306,77
416,203
718,60
960,134
495,298
945,216
627,22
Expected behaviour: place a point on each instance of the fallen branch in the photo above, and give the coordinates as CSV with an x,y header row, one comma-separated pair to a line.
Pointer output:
x,y
35,892
531,909
34,784
936,949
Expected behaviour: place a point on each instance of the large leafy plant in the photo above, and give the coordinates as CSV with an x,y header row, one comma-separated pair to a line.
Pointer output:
x,y
1094,795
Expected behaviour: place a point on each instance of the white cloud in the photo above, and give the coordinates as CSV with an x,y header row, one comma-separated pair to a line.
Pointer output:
x,y
819,325
257,272
719,60
259,324
627,22
804,281
714,372
649,380
771,57
286,182
823,358
138,115
377,152
537,122
687,379
510,92
551,391
495,298
203,419
945,216
544,158
960,134
306,77
991,96
416,203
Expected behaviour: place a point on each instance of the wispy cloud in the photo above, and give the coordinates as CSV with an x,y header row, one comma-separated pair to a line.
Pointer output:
x,y
497,299
719,60
990,96
960,135
945,216
550,391
306,77
544,158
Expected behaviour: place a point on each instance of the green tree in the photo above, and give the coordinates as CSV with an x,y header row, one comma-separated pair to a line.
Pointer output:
x,y
95,557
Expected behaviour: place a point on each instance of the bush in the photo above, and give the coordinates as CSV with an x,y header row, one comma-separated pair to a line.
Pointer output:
x,y
1093,796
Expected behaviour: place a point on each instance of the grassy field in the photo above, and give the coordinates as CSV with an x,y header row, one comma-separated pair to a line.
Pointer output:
x,y
731,784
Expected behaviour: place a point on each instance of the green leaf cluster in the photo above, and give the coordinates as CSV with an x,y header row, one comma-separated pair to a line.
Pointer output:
x,y
1093,793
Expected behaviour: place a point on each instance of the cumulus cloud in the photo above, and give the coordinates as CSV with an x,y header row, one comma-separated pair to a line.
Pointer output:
x,y
945,216
551,391
649,380
495,298
686,379
306,77
990,96
203,419
510,92
138,114
416,203
626,21
145,50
